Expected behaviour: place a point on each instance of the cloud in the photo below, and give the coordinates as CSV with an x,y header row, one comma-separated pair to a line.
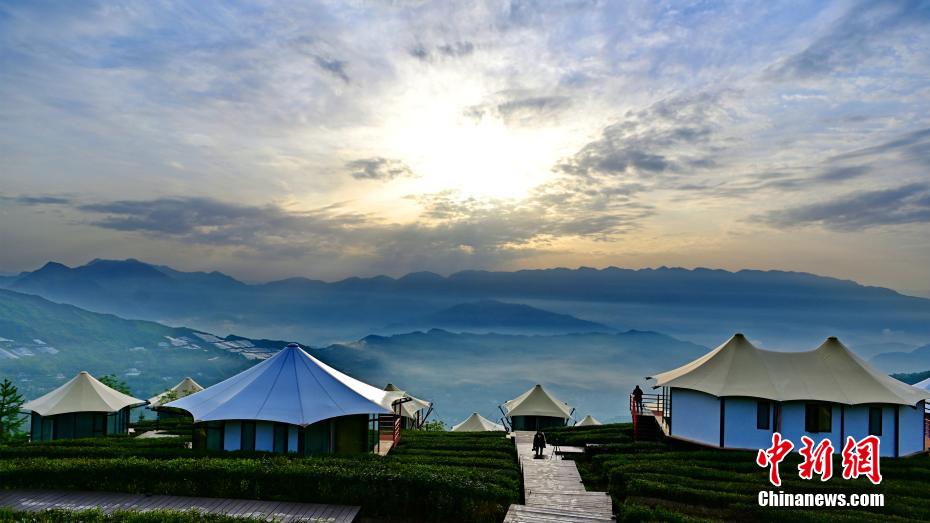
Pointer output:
x,y
861,33
521,108
447,50
28,200
336,67
857,211
915,145
377,168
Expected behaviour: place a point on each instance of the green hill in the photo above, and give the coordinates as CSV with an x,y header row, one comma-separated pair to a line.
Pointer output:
x,y
43,343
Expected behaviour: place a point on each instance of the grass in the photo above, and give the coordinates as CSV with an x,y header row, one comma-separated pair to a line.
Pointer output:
x,y
657,482
436,476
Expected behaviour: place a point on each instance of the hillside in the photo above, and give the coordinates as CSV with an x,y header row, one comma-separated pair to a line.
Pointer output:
x,y
781,310
914,360
44,343
496,316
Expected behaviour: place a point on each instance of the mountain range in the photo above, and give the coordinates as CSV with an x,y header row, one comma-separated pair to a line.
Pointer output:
x,y
777,309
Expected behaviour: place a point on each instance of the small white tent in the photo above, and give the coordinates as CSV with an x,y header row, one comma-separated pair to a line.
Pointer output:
x,y
291,402
925,384
184,388
536,409
83,407
736,395
588,421
477,423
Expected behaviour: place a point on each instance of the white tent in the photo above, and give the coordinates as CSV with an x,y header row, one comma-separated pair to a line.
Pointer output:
x,y
588,421
537,402
290,387
477,423
408,409
82,393
186,387
831,372
925,384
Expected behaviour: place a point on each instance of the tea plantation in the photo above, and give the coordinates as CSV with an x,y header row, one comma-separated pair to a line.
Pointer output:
x,y
653,481
430,476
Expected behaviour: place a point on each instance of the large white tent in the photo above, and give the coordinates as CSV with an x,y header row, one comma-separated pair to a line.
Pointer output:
x,y
477,423
736,395
291,402
536,409
82,407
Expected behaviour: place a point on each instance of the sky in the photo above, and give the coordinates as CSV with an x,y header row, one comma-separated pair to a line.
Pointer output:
x,y
331,139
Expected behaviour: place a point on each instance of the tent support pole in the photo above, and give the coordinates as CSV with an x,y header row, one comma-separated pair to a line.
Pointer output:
x,y
723,417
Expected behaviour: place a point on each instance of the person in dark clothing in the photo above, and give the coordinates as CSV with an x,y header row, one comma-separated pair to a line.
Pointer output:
x,y
638,397
539,443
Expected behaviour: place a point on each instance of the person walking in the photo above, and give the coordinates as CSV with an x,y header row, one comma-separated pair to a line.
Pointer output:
x,y
638,398
539,443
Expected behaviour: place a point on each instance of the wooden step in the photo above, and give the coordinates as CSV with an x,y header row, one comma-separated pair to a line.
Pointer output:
x,y
527,514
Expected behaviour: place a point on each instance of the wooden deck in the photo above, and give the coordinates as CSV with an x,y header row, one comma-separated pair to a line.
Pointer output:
x,y
37,500
553,490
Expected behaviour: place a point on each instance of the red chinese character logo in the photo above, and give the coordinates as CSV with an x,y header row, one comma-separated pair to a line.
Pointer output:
x,y
861,459
772,456
819,459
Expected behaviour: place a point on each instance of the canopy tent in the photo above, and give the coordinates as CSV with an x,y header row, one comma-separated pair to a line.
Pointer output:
x,y
290,387
409,408
831,373
83,393
588,421
925,384
477,423
537,402
186,387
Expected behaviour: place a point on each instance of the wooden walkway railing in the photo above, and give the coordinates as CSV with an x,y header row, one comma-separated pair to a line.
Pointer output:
x,y
553,490
73,500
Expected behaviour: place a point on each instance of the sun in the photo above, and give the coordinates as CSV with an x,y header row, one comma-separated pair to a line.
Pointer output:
x,y
473,157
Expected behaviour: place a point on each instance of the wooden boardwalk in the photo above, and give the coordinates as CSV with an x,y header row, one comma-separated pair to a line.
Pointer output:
x,y
553,490
37,500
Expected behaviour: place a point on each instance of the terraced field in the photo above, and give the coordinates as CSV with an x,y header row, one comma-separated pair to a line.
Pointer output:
x,y
655,481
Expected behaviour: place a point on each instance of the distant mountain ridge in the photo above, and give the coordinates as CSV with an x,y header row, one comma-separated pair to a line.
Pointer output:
x,y
500,317
782,310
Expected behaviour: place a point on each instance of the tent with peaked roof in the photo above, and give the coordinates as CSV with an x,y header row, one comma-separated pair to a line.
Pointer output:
x,y
185,387
536,409
413,410
477,423
291,402
736,395
81,408
924,384
588,421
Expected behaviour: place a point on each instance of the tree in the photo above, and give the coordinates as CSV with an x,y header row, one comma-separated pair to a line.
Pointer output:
x,y
110,380
434,426
10,404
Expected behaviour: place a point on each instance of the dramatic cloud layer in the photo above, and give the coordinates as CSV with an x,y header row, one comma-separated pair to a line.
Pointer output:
x,y
329,139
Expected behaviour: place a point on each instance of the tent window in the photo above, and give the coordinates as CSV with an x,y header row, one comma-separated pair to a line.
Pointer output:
x,y
215,432
818,418
248,436
875,421
763,408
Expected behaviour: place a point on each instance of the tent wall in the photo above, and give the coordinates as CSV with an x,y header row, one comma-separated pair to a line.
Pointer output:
x,y
535,422
696,416
342,435
741,423
79,425
911,425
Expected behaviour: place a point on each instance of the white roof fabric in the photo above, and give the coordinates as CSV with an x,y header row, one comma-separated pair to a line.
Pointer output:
x,y
588,421
82,393
831,372
925,384
186,387
537,402
290,387
477,423
408,409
